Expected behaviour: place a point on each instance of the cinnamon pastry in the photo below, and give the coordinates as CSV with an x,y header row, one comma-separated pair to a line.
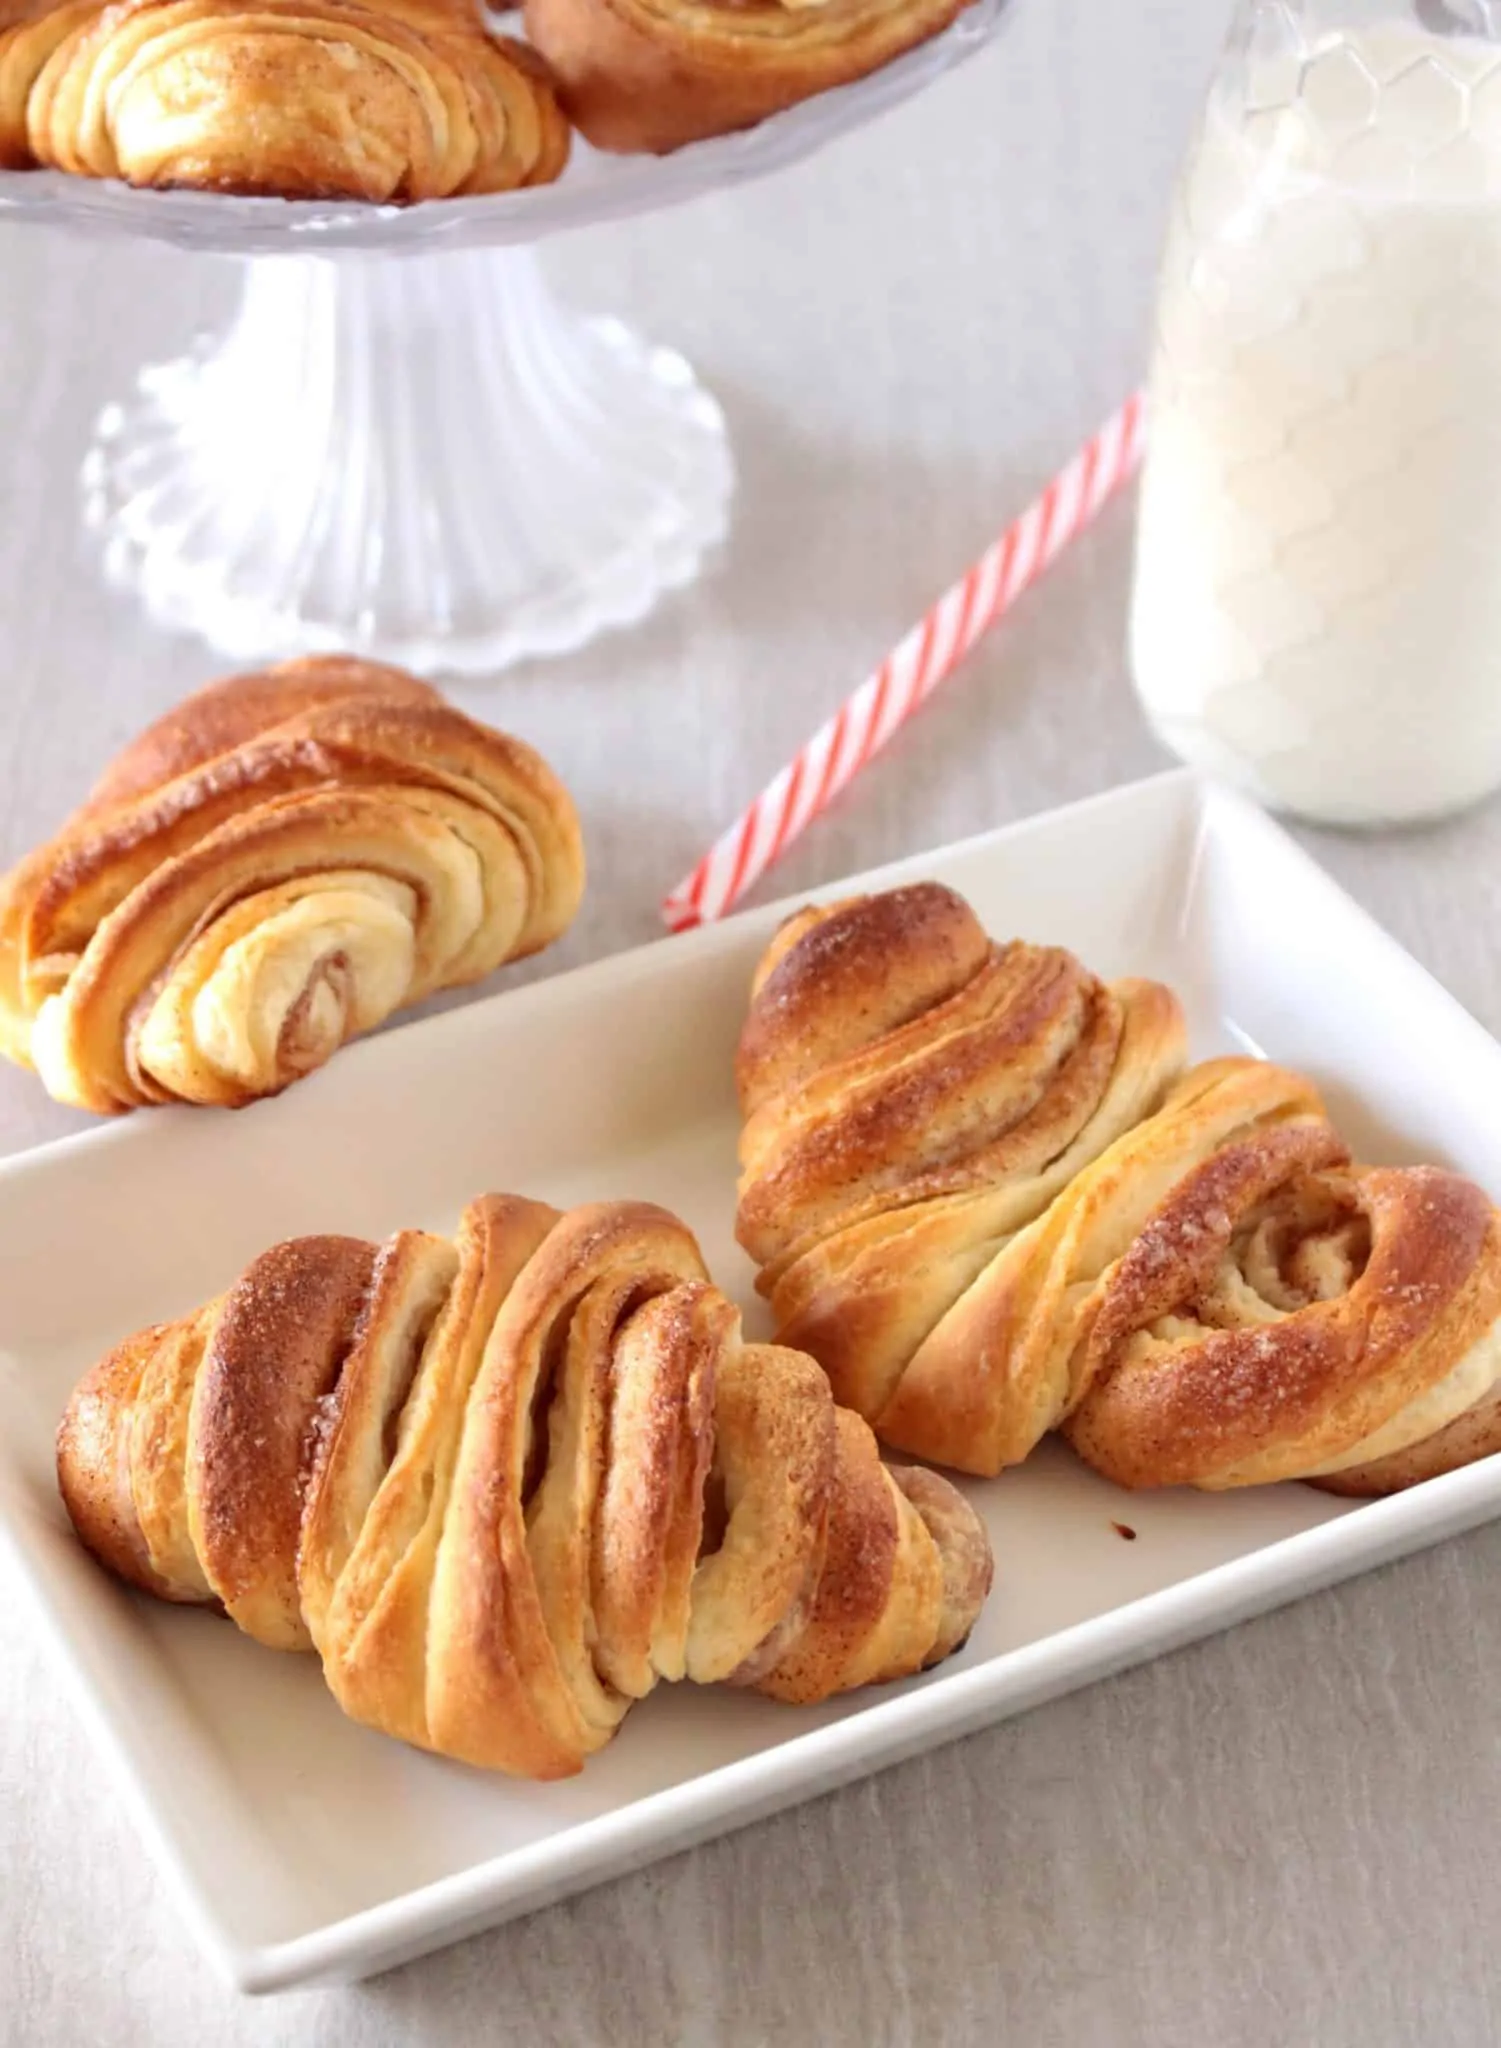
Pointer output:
x,y
969,1206
30,30
504,1486
381,100
1010,1360
276,866
915,1096
655,74
1284,1314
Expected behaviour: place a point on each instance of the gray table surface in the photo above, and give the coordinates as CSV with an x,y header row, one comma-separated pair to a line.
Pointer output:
x,y
1284,1834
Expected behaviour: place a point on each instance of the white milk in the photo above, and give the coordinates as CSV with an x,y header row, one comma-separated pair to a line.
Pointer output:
x,y
1317,613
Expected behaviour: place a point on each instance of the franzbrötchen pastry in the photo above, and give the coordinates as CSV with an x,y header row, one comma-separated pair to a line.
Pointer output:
x,y
914,1096
275,866
655,74
378,100
505,1484
982,1200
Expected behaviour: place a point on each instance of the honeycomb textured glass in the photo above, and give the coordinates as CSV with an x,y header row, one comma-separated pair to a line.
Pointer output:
x,y
1317,613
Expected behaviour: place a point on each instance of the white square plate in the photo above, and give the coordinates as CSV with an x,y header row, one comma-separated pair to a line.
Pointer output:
x,y
307,1848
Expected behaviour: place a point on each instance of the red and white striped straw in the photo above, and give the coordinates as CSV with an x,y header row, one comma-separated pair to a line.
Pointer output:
x,y
924,658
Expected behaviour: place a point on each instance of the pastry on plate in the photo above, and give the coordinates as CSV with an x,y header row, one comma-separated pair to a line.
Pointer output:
x,y
973,1204
380,100
505,1484
914,1095
1282,1313
655,74
1008,1361
274,867
1223,1299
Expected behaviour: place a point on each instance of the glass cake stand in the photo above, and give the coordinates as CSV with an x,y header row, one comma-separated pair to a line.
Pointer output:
x,y
402,443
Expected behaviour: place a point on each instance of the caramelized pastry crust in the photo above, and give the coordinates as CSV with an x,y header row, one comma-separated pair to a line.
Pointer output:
x,y
655,74
381,100
507,1484
915,1096
972,1204
271,869
1284,1314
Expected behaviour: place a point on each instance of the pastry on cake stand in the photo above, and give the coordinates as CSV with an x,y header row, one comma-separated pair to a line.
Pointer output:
x,y
402,443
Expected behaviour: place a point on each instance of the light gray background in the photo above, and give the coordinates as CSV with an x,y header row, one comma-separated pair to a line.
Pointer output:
x,y
1284,1835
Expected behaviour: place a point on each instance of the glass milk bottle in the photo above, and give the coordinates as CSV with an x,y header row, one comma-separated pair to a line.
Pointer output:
x,y
1317,608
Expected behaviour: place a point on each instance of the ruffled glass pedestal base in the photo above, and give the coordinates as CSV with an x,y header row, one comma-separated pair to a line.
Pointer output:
x,y
427,459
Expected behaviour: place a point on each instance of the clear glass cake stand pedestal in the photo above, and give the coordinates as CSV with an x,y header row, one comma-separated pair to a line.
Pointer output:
x,y
402,443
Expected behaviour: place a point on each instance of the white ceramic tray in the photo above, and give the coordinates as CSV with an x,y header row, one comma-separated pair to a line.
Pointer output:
x,y
306,1848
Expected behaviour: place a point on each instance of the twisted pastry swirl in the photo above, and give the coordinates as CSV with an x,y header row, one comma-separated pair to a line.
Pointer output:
x,y
273,868
1280,1313
969,1205
381,100
655,74
30,31
506,1485
915,1096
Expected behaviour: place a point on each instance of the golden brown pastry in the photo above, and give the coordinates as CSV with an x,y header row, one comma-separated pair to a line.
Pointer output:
x,y
1282,1314
505,1485
655,74
30,30
970,1207
1010,1361
915,1095
274,867
381,100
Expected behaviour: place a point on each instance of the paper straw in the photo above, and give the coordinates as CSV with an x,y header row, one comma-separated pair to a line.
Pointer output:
x,y
925,657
